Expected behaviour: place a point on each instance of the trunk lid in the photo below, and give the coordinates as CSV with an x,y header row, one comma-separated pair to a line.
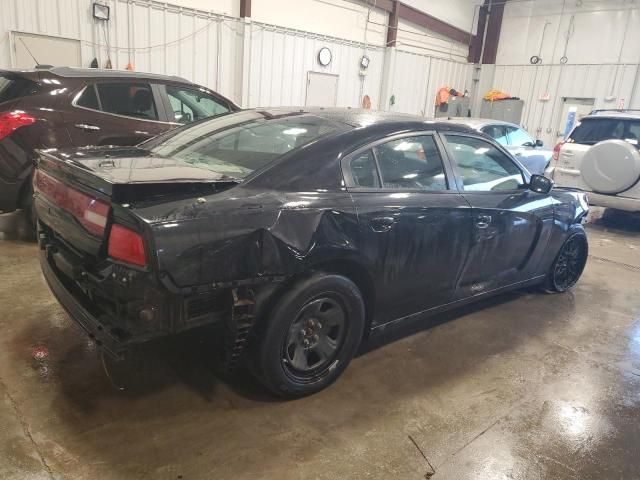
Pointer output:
x,y
81,193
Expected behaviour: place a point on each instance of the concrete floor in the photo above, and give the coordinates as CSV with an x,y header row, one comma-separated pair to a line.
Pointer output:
x,y
524,386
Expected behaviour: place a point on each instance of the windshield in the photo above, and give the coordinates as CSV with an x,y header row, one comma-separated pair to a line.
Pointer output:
x,y
593,130
238,144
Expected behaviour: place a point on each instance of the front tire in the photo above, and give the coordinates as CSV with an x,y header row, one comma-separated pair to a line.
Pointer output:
x,y
310,336
568,264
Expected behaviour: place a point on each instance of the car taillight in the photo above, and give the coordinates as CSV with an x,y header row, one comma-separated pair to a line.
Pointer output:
x,y
11,121
90,212
126,245
556,150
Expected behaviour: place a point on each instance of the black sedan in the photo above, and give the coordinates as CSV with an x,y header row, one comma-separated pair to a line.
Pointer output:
x,y
302,232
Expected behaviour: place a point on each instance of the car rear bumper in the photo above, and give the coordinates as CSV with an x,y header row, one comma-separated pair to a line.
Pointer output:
x,y
614,201
91,325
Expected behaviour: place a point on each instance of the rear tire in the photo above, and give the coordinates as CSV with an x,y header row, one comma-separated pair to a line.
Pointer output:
x,y
569,264
310,336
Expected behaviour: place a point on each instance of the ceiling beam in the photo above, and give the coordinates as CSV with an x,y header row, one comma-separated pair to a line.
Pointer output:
x,y
422,19
245,8
429,22
494,25
392,26
475,49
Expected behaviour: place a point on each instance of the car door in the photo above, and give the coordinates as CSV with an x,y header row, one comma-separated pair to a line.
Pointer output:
x,y
115,113
511,224
415,227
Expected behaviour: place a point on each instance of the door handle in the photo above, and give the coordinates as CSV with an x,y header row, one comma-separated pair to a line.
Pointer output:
x,y
382,224
483,221
86,126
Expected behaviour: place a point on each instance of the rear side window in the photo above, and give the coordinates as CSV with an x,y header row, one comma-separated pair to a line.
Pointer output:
x,y
364,171
593,130
12,88
89,98
128,99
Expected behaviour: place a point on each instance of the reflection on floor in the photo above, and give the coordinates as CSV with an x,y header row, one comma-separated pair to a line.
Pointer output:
x,y
523,386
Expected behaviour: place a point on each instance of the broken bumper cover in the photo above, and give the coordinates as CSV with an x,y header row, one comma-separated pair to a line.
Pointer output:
x,y
94,328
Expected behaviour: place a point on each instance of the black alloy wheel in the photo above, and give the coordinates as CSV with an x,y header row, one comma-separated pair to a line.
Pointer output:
x,y
304,343
569,263
314,338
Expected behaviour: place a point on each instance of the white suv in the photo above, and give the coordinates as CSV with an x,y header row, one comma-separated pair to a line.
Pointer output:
x,y
601,157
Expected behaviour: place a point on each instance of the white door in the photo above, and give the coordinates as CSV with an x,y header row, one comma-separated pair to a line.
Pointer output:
x,y
322,90
56,51
573,109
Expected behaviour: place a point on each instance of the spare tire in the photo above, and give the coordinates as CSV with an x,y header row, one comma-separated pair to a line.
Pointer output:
x,y
611,166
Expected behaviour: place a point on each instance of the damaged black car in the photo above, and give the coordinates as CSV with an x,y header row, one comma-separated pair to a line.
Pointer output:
x,y
302,231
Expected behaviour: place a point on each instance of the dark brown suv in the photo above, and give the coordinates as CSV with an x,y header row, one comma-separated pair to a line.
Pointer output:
x,y
70,107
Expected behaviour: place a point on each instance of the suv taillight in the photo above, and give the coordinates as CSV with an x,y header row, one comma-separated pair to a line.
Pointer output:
x,y
127,246
90,212
11,121
556,150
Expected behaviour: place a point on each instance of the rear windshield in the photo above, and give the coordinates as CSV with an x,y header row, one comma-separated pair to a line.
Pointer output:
x,y
240,143
12,87
593,130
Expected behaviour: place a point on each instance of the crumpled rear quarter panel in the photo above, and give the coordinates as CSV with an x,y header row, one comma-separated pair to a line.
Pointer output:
x,y
242,235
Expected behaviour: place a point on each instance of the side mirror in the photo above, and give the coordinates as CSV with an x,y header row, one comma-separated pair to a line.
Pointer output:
x,y
540,184
528,144
539,143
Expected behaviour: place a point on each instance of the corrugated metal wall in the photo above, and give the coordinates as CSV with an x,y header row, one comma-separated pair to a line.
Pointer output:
x,y
154,36
417,78
530,82
207,48
281,58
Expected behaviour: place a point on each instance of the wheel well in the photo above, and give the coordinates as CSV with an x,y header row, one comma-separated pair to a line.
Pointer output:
x,y
358,275
267,298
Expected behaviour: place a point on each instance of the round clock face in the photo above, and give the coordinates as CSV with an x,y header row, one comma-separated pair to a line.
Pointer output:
x,y
324,56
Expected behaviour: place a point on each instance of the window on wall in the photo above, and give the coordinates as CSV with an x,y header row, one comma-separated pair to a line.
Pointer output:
x,y
190,105
411,162
483,167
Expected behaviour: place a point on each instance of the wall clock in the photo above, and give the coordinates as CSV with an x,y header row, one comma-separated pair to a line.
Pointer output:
x,y
324,56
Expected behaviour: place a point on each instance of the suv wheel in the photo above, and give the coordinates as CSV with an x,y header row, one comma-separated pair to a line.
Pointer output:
x,y
310,337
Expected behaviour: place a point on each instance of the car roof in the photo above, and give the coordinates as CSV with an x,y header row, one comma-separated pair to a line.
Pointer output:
x,y
477,123
362,119
73,72
632,114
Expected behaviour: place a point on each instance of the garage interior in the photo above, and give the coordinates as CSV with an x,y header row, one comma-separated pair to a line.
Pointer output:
x,y
521,385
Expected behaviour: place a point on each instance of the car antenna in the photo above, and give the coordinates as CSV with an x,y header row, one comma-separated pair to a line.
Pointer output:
x,y
31,55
